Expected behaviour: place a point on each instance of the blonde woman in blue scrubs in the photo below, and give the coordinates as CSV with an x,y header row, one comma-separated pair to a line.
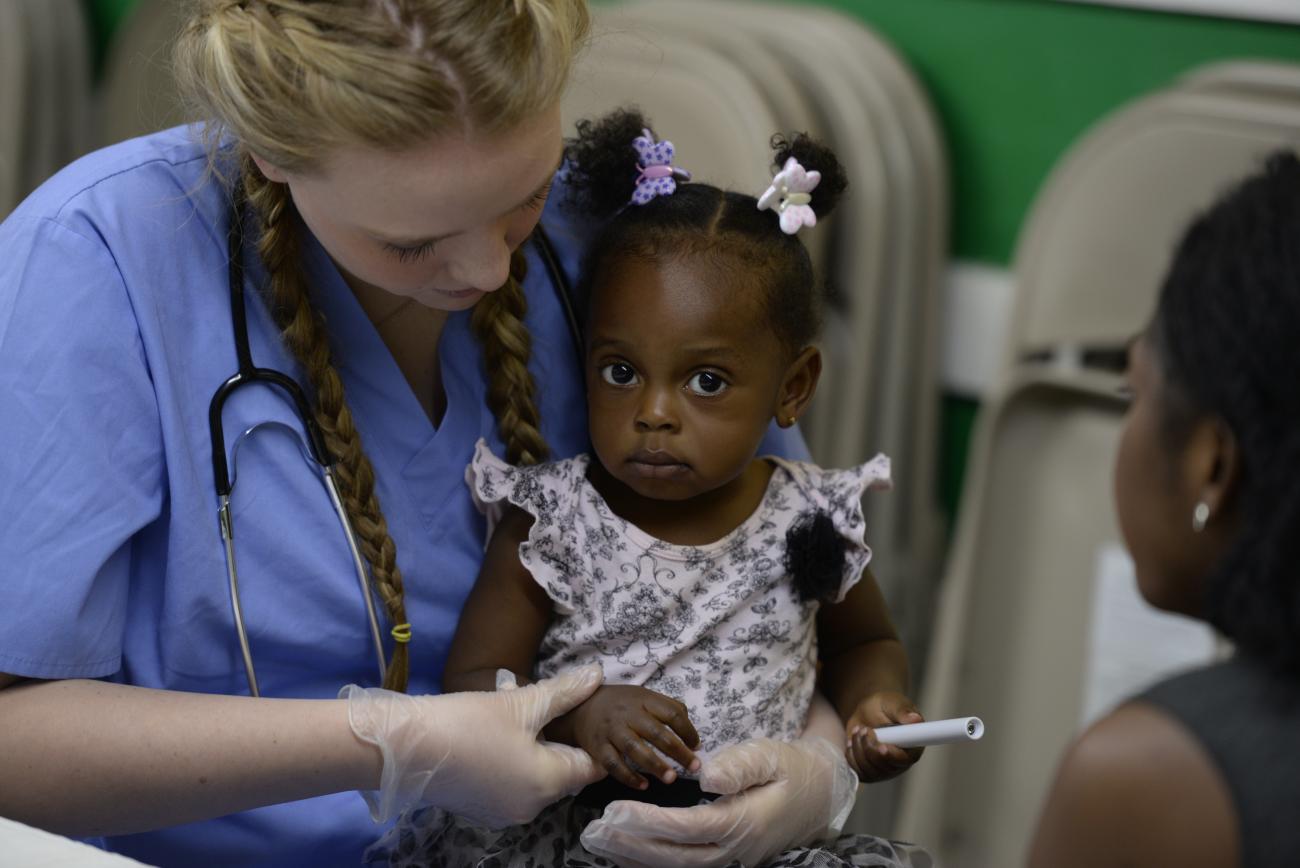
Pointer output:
x,y
393,156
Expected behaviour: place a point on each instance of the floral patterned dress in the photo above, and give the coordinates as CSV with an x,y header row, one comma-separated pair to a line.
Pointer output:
x,y
719,627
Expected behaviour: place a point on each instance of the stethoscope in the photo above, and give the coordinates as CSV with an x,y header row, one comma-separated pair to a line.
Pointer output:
x,y
312,446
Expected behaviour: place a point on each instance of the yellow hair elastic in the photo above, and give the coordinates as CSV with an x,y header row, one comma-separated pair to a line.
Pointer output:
x,y
402,633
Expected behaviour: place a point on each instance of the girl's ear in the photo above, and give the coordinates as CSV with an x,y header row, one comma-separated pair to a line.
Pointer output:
x,y
273,173
798,386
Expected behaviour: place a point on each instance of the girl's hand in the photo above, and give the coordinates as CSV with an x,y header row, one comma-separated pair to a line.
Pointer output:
x,y
622,725
872,760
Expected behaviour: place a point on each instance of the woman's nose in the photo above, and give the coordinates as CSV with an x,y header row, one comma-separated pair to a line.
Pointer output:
x,y
481,262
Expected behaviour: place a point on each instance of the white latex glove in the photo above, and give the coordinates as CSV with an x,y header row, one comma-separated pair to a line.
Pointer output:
x,y
473,754
777,795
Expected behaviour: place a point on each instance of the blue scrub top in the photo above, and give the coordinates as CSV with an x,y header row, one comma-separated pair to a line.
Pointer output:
x,y
114,334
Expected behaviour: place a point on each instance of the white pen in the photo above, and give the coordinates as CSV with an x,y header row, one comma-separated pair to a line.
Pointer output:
x,y
951,731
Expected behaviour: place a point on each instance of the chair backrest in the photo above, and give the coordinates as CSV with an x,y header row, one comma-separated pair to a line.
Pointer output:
x,y
1099,236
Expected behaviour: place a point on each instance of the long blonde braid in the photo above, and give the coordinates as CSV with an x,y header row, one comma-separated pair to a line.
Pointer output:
x,y
498,322
304,334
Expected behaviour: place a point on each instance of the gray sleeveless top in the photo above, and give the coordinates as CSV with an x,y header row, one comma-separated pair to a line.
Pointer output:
x,y
1248,721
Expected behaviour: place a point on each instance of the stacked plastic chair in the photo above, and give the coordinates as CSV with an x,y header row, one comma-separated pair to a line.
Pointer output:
x,y
1011,635
44,92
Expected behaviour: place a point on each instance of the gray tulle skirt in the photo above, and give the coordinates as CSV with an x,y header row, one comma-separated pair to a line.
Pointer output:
x,y
431,837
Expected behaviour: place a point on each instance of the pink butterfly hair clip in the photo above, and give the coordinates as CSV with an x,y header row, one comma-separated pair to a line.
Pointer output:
x,y
658,176
789,196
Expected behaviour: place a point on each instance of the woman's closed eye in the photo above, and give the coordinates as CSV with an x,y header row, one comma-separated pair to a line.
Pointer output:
x,y
618,374
422,251
539,198
415,253
707,384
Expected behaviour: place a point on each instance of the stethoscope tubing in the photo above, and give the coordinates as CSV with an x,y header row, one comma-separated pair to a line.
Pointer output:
x,y
316,452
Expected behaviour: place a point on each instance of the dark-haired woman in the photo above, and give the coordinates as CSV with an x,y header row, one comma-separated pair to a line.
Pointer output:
x,y
1203,769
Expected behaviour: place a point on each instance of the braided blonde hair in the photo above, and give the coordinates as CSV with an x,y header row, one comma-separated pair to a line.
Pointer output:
x,y
293,80
498,321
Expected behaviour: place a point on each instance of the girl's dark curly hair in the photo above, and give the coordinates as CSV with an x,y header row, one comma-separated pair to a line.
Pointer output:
x,y
1226,335
700,219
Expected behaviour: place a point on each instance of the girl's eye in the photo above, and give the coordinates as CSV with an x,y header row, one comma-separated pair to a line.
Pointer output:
x,y
618,374
707,383
410,254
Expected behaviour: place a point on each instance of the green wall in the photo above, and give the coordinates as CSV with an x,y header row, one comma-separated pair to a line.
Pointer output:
x,y
1016,81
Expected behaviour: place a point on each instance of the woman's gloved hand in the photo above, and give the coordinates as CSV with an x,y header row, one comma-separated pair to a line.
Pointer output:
x,y
776,795
473,754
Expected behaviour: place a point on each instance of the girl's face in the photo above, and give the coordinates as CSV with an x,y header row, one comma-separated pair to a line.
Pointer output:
x,y
683,375
437,223
1156,492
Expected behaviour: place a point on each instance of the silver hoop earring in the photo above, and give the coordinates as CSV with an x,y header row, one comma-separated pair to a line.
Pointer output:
x,y
1200,516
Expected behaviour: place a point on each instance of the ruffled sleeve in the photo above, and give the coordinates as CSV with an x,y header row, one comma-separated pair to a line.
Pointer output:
x,y
838,493
550,493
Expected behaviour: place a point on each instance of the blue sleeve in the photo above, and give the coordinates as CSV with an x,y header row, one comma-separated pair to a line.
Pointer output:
x,y
80,451
785,443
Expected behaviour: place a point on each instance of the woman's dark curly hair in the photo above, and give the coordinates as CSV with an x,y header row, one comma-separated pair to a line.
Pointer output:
x,y
1226,335
700,219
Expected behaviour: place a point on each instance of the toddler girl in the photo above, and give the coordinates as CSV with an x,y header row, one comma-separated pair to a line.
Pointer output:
x,y
711,584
